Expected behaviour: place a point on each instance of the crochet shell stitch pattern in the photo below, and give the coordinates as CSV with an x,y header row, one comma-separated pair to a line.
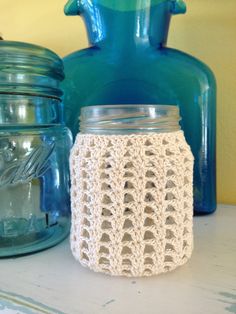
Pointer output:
x,y
132,203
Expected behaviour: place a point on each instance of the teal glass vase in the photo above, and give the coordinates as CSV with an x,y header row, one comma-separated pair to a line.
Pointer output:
x,y
128,62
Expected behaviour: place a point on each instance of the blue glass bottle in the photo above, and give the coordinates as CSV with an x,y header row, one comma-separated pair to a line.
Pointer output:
x,y
128,62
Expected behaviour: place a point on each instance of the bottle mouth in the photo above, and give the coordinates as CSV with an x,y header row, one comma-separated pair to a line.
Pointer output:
x,y
130,5
122,119
75,7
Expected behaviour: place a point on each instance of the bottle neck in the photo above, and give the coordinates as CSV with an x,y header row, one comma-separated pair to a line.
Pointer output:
x,y
144,25
129,119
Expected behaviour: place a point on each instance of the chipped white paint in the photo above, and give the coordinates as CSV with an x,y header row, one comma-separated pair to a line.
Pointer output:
x,y
207,284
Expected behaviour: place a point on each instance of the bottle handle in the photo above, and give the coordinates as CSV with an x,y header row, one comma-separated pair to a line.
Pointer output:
x,y
178,7
72,8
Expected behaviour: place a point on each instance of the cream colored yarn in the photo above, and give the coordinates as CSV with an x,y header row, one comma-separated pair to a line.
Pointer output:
x,y
132,202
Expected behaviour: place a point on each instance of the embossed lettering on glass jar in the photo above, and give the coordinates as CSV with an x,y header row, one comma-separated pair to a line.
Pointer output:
x,y
34,150
34,201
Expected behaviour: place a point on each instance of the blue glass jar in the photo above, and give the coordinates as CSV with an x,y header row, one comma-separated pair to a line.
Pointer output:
x,y
128,62
34,150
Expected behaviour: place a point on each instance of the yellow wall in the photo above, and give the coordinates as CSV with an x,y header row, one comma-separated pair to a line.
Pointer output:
x,y
208,31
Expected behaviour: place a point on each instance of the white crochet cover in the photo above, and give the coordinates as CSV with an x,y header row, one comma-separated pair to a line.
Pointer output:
x,y
132,202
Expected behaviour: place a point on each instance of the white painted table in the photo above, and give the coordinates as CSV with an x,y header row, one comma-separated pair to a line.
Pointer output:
x,y
53,282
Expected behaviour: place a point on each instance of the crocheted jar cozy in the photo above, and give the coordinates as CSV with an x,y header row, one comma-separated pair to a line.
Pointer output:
x,y
132,202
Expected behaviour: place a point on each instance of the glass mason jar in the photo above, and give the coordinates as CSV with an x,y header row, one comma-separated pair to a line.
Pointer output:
x,y
132,190
34,150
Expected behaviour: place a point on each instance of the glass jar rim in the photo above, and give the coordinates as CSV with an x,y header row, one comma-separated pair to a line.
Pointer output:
x,y
158,106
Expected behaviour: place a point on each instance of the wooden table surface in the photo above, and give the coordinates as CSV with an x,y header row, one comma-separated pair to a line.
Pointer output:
x,y
53,282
